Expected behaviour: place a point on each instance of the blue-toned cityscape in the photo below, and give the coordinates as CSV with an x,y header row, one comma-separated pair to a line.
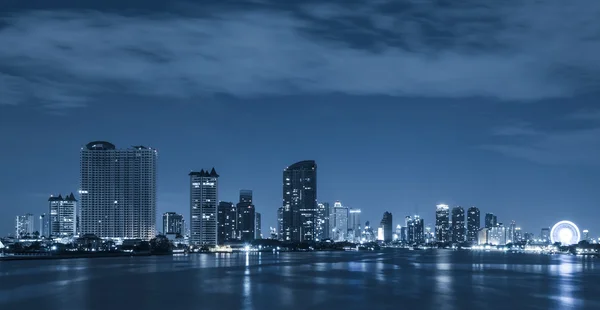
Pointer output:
x,y
114,213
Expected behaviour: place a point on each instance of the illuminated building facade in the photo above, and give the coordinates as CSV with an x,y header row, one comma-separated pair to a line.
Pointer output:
x,y
442,223
204,195
323,222
63,216
458,224
473,224
24,225
258,226
246,217
354,224
490,220
173,223
118,191
340,220
226,221
299,201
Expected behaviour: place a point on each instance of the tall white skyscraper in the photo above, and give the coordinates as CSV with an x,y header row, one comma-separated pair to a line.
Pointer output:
x,y
340,214
118,191
204,198
63,215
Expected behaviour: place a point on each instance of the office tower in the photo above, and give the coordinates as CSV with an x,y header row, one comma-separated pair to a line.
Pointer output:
x,y
483,236
44,225
518,235
473,224
386,225
227,222
409,229
63,215
442,223
173,223
418,230
246,221
340,219
24,226
118,191
404,234
498,235
258,228
458,224
204,197
586,235
528,237
545,235
354,221
322,226
510,235
490,220
300,201
274,234
398,233
280,224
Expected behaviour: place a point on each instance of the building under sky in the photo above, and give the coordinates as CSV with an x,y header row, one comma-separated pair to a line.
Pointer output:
x,y
442,223
473,224
24,225
204,197
118,191
299,201
63,216
226,221
173,223
458,224
246,217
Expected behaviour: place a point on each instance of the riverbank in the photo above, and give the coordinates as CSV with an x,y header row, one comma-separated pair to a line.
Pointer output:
x,y
72,256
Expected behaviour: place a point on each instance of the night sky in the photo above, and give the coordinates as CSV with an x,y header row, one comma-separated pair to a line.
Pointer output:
x,y
403,104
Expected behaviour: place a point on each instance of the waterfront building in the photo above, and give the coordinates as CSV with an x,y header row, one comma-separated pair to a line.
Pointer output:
x,y
45,225
24,226
204,197
226,222
246,221
63,216
173,223
442,223
340,219
299,201
354,223
473,224
483,236
498,235
117,192
386,225
458,224
258,228
545,235
511,233
323,221
280,224
490,220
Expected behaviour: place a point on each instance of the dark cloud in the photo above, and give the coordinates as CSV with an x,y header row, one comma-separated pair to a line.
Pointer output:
x,y
509,50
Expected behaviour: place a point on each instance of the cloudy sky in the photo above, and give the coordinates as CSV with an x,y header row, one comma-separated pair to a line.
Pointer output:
x,y
403,104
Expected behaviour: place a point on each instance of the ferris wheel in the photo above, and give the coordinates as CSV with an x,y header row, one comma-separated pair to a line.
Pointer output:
x,y
565,232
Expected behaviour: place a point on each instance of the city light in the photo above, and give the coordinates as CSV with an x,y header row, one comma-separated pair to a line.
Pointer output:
x,y
565,232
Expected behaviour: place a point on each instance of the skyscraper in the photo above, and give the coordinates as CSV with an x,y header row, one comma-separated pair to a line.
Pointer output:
x,y
258,229
173,223
442,223
204,197
118,191
490,220
386,225
340,220
458,224
354,222
322,226
24,225
473,224
545,235
246,221
63,215
44,225
299,201
280,224
511,234
226,221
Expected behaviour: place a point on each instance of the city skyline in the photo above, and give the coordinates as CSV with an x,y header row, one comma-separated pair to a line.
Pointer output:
x,y
425,109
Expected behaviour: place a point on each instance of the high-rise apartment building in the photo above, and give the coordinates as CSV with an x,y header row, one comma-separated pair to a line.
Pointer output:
x,y
545,235
415,230
458,224
24,226
118,191
511,233
323,220
299,201
246,220
173,223
204,197
227,222
340,220
354,223
258,229
280,234
386,225
473,224
442,223
491,220
63,215
44,225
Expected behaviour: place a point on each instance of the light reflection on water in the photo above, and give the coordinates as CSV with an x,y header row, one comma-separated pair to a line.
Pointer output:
x,y
425,280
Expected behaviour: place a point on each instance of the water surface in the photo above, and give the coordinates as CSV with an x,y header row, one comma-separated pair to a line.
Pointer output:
x,y
392,279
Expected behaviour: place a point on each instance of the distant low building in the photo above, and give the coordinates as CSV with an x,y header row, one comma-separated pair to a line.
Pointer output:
x,y
24,225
